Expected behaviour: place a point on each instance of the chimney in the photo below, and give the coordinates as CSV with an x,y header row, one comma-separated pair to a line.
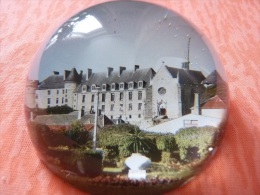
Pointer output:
x,y
136,67
109,71
88,74
80,75
185,65
66,74
79,115
56,73
196,109
121,69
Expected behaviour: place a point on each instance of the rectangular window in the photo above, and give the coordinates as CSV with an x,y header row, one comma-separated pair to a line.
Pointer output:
x,y
66,91
92,110
121,107
112,97
57,92
92,98
121,86
57,100
113,86
62,100
104,87
49,92
49,100
121,96
83,98
83,108
111,117
130,116
103,108
140,84
130,95
139,106
93,87
112,107
130,106
130,86
63,91
103,97
66,100
140,95
139,115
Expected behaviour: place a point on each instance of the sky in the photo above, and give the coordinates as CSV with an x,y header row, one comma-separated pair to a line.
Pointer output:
x,y
122,34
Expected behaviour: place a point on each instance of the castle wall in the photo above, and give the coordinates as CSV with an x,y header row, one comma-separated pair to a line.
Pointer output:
x,y
49,98
113,109
69,88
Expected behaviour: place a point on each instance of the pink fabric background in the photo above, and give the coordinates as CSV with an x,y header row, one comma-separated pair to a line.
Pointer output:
x,y
233,28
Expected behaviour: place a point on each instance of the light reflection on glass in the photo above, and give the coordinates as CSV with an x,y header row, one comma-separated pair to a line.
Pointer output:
x,y
84,25
89,24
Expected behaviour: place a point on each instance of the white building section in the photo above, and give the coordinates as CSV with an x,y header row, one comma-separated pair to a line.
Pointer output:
x,y
189,120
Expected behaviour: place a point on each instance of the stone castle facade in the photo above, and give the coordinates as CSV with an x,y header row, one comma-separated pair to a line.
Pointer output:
x,y
128,95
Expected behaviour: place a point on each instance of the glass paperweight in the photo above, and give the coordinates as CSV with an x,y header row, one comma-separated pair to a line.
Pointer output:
x,y
126,97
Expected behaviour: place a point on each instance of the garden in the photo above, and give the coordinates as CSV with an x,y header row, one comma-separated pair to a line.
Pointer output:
x,y
172,156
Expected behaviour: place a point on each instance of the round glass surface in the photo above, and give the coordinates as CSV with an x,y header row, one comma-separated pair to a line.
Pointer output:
x,y
126,97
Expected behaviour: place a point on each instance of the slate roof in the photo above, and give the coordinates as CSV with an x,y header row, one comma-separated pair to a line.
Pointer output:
x,y
73,76
68,119
59,119
214,103
126,76
52,82
57,81
211,78
186,76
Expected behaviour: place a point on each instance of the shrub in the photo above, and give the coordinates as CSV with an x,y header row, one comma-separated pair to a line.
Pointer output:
x,y
166,143
59,110
195,137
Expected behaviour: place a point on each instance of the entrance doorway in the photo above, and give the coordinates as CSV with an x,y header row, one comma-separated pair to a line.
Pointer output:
x,y
162,111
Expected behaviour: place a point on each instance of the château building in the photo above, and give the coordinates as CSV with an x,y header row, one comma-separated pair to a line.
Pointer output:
x,y
129,95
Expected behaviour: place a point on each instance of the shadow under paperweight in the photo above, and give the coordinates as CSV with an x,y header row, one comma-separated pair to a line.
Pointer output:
x,y
126,97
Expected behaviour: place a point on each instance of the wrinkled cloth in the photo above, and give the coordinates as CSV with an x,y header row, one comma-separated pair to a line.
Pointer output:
x,y
232,28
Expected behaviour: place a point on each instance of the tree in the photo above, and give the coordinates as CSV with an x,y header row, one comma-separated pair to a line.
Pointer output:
x,y
138,141
78,134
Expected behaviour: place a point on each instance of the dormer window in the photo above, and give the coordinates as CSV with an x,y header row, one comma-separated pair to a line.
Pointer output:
x,y
140,84
121,86
130,85
113,86
93,87
104,87
84,88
